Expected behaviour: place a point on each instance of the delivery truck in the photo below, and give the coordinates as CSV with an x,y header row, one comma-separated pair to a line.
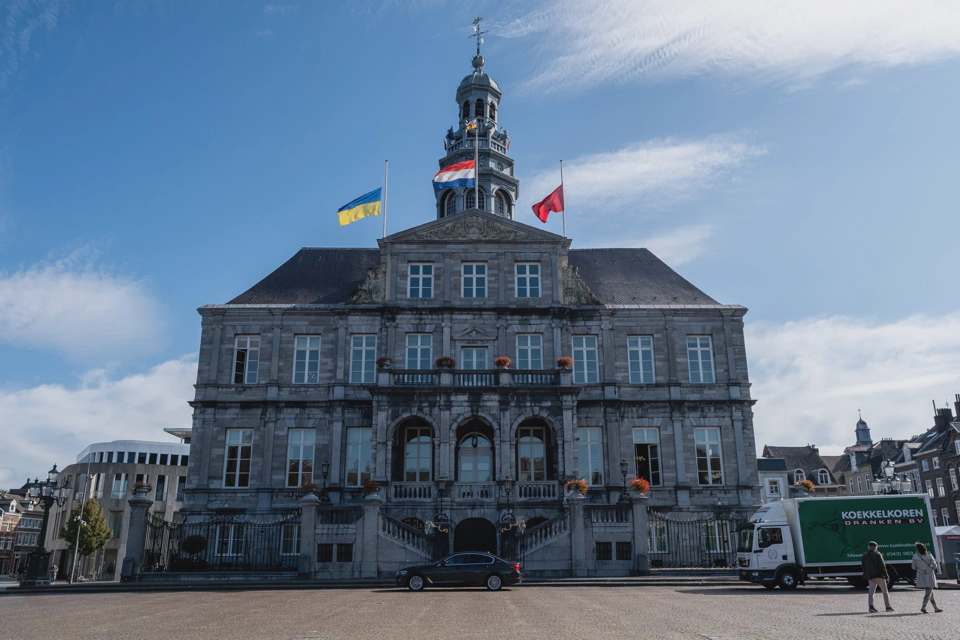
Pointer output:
x,y
790,542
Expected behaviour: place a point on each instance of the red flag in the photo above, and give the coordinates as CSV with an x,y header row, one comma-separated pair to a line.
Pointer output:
x,y
553,202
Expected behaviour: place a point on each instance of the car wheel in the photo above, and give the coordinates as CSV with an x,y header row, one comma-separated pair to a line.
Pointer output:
x,y
494,582
788,580
416,583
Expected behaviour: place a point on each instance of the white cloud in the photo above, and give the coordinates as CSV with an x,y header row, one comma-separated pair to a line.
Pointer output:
x,y
73,307
796,41
19,20
281,9
675,247
643,176
811,376
53,423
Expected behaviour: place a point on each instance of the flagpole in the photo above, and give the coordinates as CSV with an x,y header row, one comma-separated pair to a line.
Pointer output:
x,y
386,167
476,165
564,212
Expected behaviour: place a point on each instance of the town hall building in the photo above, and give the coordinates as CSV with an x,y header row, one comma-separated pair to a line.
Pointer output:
x,y
388,365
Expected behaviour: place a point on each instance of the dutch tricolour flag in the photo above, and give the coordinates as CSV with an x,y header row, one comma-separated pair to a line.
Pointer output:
x,y
460,174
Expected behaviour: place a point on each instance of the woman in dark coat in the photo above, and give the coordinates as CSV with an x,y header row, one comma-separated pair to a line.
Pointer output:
x,y
926,567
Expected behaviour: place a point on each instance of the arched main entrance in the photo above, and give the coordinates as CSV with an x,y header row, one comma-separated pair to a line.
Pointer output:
x,y
475,534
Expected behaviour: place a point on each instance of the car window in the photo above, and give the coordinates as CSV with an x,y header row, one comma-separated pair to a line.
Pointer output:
x,y
456,560
476,558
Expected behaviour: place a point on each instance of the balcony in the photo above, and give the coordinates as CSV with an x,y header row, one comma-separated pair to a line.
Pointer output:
x,y
474,379
473,492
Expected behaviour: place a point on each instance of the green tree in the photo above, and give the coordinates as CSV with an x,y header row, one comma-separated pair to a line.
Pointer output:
x,y
94,531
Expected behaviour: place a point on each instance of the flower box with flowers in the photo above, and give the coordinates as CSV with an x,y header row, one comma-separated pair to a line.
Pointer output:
x,y
141,488
371,487
308,487
502,362
564,362
384,363
578,486
640,485
807,485
445,362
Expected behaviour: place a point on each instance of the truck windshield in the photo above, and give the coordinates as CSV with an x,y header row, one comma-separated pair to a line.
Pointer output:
x,y
745,540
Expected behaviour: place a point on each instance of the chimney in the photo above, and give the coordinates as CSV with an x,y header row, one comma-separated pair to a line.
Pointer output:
x,y
943,419
956,405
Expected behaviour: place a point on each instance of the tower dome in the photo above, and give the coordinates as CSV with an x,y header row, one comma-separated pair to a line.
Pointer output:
x,y
863,433
478,98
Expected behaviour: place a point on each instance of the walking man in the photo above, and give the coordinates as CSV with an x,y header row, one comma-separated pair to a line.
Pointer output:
x,y
875,571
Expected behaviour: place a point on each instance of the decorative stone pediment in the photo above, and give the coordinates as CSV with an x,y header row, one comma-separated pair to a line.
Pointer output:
x,y
475,225
373,289
475,333
575,290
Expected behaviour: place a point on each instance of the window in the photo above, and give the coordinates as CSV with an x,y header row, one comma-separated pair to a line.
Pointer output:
x,y
161,493
929,484
345,552
715,536
953,478
229,539
473,358
956,446
142,477
324,553
363,355
709,469
110,456
115,522
624,551
768,536
306,360
532,454
823,477
528,279
773,487
957,505
585,370
590,455
142,458
479,108
300,456
475,457
181,486
246,360
119,486
164,459
98,485
420,280
936,518
174,459
183,460
419,351
941,491
493,110
936,463
418,454
290,540
646,451
640,355
471,199
700,359
798,475
466,109
657,536
529,351
359,451
945,515
850,482
604,551
449,206
153,458
500,205
926,465
474,280
237,463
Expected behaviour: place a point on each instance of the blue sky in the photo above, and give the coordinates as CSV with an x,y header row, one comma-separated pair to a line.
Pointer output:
x,y
799,159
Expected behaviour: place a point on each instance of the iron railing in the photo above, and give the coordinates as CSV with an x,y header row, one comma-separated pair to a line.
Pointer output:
x,y
704,543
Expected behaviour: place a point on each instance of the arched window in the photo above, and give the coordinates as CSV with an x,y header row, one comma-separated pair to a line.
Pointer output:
x,y
475,459
493,110
466,109
500,204
449,205
478,112
798,475
532,454
823,477
471,199
417,442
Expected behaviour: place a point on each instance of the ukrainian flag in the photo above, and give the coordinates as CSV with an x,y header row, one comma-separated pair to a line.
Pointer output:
x,y
365,205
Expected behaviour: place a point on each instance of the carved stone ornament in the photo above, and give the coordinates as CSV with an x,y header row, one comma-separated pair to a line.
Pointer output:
x,y
473,227
474,333
374,287
575,290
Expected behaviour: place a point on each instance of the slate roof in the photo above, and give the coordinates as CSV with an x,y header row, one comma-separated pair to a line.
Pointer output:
x,y
806,458
833,462
615,276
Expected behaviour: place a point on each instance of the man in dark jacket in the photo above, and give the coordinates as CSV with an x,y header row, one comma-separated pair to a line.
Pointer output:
x,y
875,571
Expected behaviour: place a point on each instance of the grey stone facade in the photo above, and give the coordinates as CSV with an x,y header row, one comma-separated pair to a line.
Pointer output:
x,y
481,426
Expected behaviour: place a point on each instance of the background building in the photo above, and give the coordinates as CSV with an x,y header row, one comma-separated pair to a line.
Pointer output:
x,y
328,371
805,463
106,471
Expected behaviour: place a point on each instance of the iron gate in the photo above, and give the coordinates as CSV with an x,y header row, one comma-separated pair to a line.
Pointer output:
x,y
222,544
706,543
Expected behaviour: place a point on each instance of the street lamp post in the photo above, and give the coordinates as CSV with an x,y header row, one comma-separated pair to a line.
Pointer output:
x,y
441,515
324,472
624,495
38,562
889,483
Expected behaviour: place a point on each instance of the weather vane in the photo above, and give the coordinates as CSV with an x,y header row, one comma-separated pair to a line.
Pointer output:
x,y
478,34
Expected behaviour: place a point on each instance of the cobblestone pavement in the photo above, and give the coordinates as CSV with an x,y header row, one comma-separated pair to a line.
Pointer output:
x,y
722,613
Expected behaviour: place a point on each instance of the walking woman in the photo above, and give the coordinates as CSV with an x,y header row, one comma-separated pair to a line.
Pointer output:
x,y
926,567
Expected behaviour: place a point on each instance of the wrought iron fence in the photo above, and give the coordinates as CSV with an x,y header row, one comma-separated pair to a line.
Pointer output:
x,y
222,544
688,544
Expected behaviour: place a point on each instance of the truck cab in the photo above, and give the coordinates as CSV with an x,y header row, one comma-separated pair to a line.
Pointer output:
x,y
765,550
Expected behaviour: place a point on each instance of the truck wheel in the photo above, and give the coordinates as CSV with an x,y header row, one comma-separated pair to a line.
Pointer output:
x,y
858,583
892,578
788,580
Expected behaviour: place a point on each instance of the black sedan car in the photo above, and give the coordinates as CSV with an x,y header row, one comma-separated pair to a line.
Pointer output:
x,y
462,570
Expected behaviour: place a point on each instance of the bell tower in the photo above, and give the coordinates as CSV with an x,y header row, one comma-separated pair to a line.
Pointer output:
x,y
478,98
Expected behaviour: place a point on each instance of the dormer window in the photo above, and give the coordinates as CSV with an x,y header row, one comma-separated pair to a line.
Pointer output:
x,y
823,477
798,475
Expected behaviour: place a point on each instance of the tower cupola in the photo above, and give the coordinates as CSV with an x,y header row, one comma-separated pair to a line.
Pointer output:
x,y
863,432
478,98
